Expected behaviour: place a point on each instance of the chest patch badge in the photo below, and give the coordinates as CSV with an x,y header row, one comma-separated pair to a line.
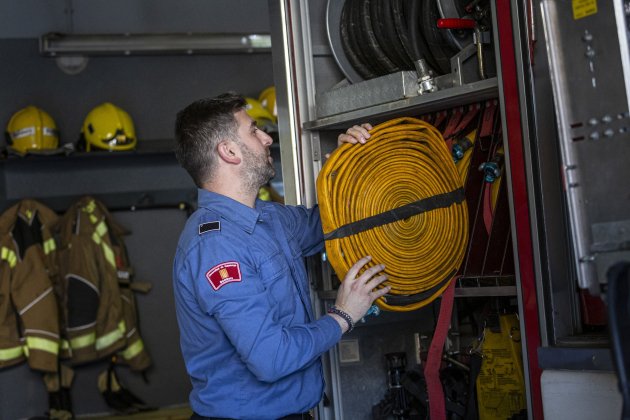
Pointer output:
x,y
224,273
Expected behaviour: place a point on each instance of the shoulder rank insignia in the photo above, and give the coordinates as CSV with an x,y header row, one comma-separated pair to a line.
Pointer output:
x,y
209,226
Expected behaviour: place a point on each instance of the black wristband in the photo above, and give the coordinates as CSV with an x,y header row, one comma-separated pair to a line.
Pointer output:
x,y
335,310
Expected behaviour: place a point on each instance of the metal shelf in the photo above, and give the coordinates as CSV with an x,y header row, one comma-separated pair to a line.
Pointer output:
x,y
409,106
485,286
481,286
574,358
148,176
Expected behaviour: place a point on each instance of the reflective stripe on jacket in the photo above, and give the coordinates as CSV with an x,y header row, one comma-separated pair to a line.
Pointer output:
x,y
92,255
29,314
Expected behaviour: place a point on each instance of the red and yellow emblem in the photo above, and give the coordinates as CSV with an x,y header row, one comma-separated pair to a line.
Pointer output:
x,y
224,273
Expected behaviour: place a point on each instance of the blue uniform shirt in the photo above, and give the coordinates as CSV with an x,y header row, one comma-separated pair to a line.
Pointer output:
x,y
250,343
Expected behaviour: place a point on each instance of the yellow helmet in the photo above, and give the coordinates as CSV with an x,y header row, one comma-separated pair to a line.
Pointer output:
x,y
108,127
259,113
31,129
267,99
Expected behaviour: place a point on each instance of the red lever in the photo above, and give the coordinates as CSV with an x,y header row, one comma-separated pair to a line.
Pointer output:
x,y
456,23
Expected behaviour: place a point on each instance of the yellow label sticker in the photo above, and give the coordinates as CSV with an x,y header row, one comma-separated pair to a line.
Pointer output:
x,y
584,8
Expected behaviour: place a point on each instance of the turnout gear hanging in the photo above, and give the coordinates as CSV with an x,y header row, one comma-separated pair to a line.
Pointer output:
x,y
30,294
29,315
100,305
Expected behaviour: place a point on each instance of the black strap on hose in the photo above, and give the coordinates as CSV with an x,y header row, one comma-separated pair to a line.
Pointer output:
x,y
403,300
426,204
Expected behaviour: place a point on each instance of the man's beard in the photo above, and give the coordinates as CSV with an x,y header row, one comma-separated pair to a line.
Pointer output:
x,y
258,169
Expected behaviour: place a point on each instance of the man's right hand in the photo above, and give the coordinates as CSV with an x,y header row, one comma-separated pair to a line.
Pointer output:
x,y
355,134
356,294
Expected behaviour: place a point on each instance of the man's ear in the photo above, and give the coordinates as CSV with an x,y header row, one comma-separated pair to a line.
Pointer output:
x,y
229,152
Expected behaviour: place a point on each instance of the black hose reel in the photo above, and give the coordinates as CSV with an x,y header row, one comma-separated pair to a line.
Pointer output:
x,y
372,38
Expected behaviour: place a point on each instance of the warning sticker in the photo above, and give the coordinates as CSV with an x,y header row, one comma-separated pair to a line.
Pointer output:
x,y
584,8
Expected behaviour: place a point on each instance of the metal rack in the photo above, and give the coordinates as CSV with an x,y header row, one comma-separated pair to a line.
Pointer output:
x,y
396,95
465,287
391,92
149,176
309,116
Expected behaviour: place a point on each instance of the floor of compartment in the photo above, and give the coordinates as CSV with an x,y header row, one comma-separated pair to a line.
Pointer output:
x,y
174,413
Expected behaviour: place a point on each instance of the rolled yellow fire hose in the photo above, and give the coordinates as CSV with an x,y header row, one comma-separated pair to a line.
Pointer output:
x,y
398,198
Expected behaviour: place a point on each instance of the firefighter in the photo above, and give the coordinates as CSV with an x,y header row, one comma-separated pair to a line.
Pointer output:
x,y
249,338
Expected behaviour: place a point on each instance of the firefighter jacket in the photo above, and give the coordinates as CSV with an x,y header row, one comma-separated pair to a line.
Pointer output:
x,y
100,309
29,313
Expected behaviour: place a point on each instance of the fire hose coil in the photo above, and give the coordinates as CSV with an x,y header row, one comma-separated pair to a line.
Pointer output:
x,y
398,198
